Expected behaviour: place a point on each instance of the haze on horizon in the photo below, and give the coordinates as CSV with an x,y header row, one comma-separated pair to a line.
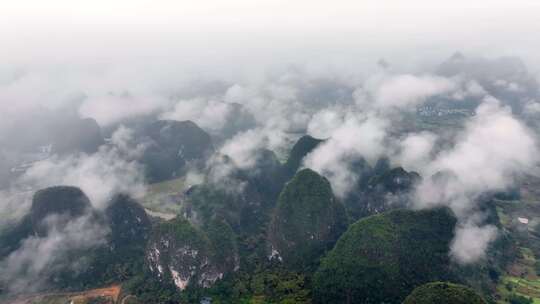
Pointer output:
x,y
216,36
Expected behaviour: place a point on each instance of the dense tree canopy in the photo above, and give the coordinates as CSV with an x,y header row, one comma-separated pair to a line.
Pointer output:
x,y
307,221
378,259
443,293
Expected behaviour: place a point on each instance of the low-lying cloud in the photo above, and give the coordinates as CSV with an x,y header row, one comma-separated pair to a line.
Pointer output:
x,y
362,117
471,242
357,138
492,151
29,268
402,91
99,175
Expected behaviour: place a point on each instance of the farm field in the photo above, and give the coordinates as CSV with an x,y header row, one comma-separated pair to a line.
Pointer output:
x,y
164,199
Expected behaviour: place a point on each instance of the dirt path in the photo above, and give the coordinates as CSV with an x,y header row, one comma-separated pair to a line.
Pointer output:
x,y
112,292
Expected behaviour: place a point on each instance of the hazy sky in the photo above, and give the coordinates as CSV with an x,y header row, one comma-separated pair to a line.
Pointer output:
x,y
218,33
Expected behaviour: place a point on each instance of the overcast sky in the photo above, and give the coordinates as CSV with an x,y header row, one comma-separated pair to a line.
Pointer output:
x,y
214,34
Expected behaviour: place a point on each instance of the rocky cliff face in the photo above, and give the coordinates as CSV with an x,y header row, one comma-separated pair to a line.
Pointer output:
x,y
184,254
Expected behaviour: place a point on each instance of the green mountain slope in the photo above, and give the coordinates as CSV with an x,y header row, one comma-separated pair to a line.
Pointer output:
x,y
382,258
443,293
307,221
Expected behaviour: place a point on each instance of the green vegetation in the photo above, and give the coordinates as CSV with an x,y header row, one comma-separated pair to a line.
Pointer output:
x,y
394,180
65,200
520,282
68,201
118,258
275,242
301,148
307,221
165,196
443,293
223,240
380,188
267,177
123,257
517,299
172,186
174,143
181,231
12,237
149,290
378,259
272,285
190,257
130,226
206,202
514,287
246,211
485,274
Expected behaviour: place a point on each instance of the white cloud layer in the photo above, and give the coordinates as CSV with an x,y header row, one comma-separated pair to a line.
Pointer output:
x,y
99,175
415,150
493,149
471,242
27,268
358,137
401,91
